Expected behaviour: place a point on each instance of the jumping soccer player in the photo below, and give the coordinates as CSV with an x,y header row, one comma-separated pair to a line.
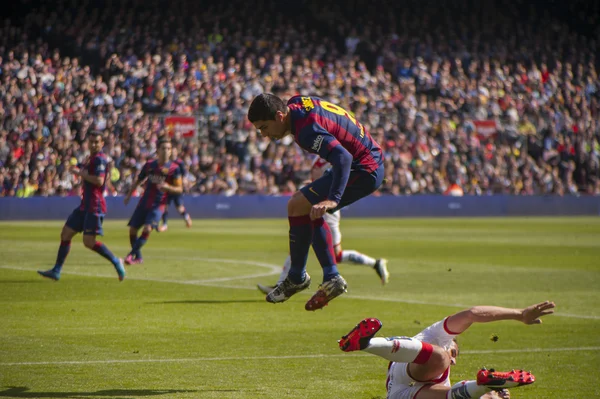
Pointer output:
x,y
322,128
420,366
163,177
89,215
177,199
319,167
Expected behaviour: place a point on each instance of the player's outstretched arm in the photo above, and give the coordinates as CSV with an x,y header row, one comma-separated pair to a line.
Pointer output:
x,y
134,187
459,322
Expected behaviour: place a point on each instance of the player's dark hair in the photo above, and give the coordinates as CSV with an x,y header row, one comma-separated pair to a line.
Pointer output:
x,y
95,133
264,107
162,140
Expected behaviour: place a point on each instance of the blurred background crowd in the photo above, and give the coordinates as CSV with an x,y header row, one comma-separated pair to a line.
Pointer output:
x,y
464,96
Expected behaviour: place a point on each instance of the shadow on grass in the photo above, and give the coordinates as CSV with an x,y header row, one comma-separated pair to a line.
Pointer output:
x,y
23,392
208,301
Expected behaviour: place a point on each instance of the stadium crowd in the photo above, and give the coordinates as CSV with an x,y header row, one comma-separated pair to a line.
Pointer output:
x,y
420,75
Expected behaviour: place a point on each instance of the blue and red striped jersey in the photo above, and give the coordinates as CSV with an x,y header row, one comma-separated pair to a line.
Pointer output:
x,y
92,198
318,126
157,174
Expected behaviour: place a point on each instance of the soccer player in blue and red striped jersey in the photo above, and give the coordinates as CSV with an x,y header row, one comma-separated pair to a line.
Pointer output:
x,y
176,199
162,177
89,215
331,132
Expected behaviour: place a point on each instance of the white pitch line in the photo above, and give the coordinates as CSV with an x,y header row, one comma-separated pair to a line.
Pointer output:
x,y
275,269
251,358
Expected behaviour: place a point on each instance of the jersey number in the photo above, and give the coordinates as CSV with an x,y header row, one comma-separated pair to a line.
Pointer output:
x,y
341,111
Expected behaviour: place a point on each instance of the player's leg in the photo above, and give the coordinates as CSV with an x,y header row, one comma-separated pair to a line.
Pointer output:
x,y
161,228
333,284
359,185
430,360
350,255
300,237
92,229
73,225
488,385
178,200
151,221
135,224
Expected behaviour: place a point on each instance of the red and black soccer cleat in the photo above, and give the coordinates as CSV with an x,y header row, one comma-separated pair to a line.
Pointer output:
x,y
358,338
499,380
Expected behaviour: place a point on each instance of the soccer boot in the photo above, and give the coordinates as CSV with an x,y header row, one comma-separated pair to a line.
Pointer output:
x,y
284,290
327,292
120,270
382,271
358,338
498,380
188,221
51,274
130,260
265,289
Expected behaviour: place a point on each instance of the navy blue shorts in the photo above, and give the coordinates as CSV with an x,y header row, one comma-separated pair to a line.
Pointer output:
x,y
85,222
175,199
360,185
142,217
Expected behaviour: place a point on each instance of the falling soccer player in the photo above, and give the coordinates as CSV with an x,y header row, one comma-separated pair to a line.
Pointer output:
x,y
419,367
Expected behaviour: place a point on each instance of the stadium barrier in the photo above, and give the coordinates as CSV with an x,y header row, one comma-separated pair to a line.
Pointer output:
x,y
258,206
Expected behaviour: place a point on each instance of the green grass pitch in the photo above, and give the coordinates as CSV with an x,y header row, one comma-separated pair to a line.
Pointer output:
x,y
189,322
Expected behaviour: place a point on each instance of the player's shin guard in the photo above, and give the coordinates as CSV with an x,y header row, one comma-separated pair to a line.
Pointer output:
x,y
466,390
402,350
323,246
357,258
63,251
300,239
105,252
165,217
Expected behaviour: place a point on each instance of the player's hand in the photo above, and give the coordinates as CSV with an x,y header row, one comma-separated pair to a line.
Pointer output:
x,y
163,186
75,170
502,394
532,314
318,210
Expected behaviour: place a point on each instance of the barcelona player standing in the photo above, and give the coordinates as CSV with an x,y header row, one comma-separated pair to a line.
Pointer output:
x,y
331,132
89,215
162,177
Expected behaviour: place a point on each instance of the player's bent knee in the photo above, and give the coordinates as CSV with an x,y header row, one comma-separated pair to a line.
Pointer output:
x,y
439,360
298,205
67,233
89,241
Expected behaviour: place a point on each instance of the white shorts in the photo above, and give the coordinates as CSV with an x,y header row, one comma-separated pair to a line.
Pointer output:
x,y
333,220
400,384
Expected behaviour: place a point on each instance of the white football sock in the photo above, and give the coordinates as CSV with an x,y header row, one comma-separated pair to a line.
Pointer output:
x,y
401,350
357,258
467,390
286,269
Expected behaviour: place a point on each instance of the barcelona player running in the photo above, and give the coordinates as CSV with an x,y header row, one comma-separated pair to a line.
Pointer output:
x,y
89,215
419,367
329,131
176,199
162,177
